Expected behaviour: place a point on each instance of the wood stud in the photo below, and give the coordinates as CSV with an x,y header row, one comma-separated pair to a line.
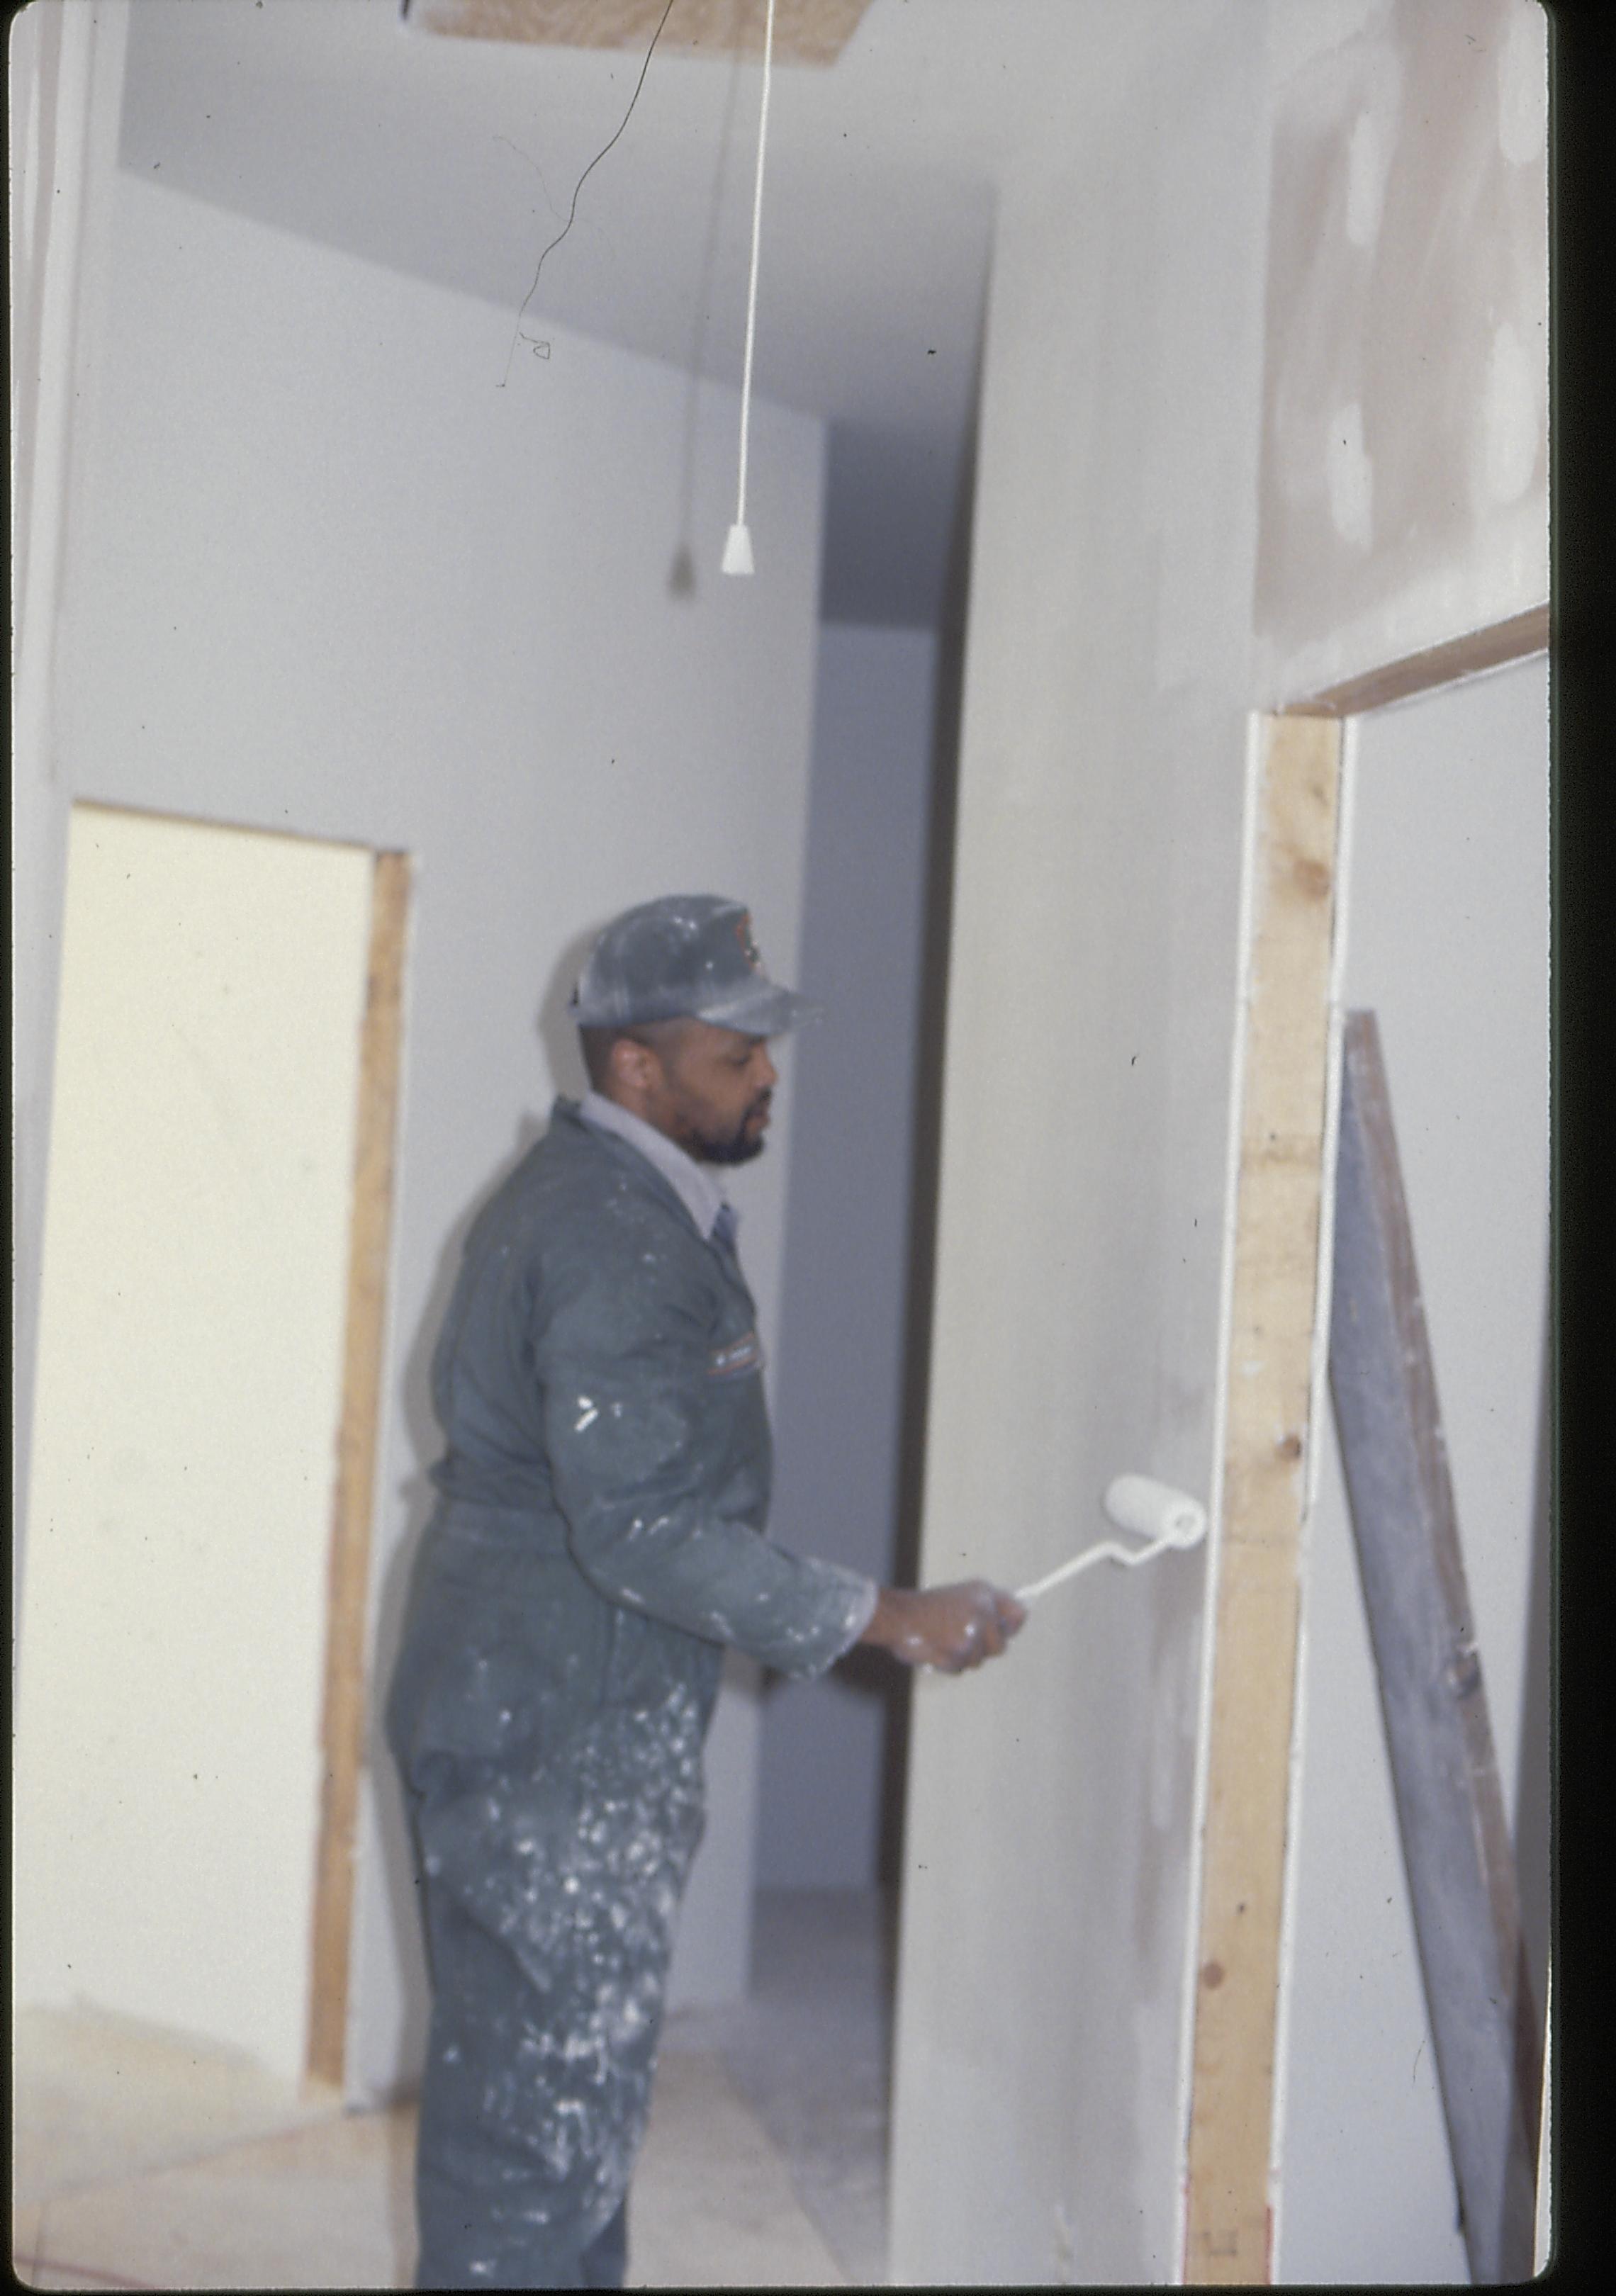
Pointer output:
x,y
1267,1436
1513,640
342,1727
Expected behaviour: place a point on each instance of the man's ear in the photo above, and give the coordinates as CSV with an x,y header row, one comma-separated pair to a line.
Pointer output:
x,y
634,1066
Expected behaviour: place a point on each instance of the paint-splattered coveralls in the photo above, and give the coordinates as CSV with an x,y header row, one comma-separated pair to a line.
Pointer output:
x,y
597,1542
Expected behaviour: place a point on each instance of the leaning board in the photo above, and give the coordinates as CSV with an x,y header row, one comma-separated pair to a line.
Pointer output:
x,y
1456,1847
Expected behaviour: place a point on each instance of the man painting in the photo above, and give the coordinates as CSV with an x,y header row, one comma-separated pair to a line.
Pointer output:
x,y
599,1541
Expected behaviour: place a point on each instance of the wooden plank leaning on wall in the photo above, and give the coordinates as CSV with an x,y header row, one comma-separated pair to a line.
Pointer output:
x,y
1258,1593
343,1724
1485,2024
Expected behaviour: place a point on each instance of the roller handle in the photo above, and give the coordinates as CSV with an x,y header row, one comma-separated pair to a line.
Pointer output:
x,y
1154,1511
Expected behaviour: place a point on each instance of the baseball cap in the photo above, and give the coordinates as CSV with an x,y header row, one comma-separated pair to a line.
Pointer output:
x,y
687,956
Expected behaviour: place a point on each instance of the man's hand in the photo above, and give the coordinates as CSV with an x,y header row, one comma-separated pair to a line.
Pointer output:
x,y
951,1628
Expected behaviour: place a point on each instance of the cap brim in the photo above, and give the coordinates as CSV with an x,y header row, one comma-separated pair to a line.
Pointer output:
x,y
763,1009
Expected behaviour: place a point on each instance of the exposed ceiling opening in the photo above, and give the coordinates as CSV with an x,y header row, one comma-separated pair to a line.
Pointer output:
x,y
805,31
456,159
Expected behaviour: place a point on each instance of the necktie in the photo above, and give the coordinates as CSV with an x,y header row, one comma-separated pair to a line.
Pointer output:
x,y
724,1227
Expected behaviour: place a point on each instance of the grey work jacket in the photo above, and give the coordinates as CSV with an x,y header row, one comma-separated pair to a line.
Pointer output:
x,y
606,1480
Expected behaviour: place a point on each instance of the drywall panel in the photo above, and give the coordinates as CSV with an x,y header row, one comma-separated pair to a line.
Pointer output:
x,y
1405,433
1091,989
194,1295
325,575
65,66
841,1339
1446,941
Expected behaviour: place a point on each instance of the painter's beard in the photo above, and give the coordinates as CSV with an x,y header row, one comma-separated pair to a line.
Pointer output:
x,y
737,1147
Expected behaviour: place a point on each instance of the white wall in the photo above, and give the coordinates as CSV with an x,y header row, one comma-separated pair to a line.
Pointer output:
x,y
838,1385
1047,1857
1171,528
324,576
1447,942
62,94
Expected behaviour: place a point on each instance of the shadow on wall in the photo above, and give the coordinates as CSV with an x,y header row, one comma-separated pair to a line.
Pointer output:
x,y
930,1035
418,1495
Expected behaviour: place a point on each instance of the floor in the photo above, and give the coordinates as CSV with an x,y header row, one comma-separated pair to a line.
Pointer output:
x,y
809,2054
140,2160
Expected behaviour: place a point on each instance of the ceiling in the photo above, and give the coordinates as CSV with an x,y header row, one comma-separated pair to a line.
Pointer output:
x,y
456,160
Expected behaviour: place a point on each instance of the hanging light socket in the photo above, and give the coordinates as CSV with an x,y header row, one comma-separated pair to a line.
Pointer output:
x,y
738,549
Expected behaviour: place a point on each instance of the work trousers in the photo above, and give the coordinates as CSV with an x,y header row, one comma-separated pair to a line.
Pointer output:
x,y
550,1748
550,1897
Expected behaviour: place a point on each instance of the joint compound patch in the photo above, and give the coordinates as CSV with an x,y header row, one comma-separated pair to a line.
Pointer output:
x,y
737,1358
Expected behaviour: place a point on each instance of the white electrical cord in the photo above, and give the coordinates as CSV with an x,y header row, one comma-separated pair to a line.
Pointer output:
x,y
1168,1518
738,545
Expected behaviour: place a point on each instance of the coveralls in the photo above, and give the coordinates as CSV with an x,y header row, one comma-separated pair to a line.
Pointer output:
x,y
597,1541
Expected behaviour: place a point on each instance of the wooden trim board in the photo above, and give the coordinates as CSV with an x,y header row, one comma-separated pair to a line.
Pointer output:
x,y
1456,1839
1266,1437
1517,639
344,1722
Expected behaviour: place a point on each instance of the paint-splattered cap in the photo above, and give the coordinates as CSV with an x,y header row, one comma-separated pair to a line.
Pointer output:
x,y
686,956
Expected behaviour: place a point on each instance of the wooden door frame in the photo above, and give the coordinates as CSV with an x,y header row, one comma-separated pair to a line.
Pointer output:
x,y
353,1504
1272,1377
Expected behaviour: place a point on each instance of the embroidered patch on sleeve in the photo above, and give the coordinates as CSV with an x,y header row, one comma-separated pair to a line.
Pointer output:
x,y
737,1358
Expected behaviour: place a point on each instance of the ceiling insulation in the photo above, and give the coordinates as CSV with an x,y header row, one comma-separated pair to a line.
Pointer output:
x,y
805,31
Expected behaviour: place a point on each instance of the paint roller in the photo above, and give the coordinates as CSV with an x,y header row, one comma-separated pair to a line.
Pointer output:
x,y
1152,1510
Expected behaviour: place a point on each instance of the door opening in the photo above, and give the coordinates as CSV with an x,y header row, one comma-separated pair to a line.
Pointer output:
x,y
215,1255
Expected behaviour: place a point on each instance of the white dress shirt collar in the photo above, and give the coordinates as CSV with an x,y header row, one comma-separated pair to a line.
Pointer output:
x,y
694,1183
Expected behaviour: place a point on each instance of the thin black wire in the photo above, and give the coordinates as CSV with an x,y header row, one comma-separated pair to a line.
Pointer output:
x,y
538,170
577,187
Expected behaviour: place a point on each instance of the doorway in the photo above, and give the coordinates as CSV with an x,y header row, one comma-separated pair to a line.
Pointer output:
x,y
1456,890
215,1254
1445,934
